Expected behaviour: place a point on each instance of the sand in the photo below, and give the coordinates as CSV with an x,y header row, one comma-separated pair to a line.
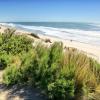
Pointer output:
x,y
90,50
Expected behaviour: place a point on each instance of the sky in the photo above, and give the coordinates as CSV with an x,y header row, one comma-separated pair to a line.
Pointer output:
x,y
50,10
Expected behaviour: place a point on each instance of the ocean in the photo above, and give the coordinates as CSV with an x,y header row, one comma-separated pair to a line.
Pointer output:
x,y
88,33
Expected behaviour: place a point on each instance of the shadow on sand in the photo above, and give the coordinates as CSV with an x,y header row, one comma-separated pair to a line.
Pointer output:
x,y
22,92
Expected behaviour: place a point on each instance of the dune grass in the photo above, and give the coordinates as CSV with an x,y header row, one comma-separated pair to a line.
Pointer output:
x,y
60,74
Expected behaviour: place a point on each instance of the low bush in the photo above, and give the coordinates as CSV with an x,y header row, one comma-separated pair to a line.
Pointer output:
x,y
20,69
35,35
61,89
11,75
4,60
14,44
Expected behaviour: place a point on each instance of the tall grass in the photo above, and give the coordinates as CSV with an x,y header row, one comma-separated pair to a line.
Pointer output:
x,y
61,74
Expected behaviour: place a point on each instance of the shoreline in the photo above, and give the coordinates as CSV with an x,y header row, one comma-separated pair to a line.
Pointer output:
x,y
90,50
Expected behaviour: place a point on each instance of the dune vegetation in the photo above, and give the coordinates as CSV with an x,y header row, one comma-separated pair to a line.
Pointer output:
x,y
60,74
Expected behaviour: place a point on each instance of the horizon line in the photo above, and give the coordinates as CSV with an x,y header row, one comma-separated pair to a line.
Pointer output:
x,y
48,21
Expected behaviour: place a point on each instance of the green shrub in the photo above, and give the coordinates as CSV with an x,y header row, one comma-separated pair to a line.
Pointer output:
x,y
4,60
17,44
20,69
3,64
11,75
29,67
61,89
55,53
54,56
42,57
14,44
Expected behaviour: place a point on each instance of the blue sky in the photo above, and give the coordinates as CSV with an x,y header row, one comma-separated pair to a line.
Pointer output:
x,y
50,10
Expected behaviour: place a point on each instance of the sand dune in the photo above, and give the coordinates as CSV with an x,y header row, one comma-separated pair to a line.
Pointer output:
x,y
91,50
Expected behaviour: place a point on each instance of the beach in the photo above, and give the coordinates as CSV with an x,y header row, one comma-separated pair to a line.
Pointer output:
x,y
89,49
49,49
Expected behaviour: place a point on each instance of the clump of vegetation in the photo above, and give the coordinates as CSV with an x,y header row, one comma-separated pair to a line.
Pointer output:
x,y
61,74
14,44
35,35
11,44
47,41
